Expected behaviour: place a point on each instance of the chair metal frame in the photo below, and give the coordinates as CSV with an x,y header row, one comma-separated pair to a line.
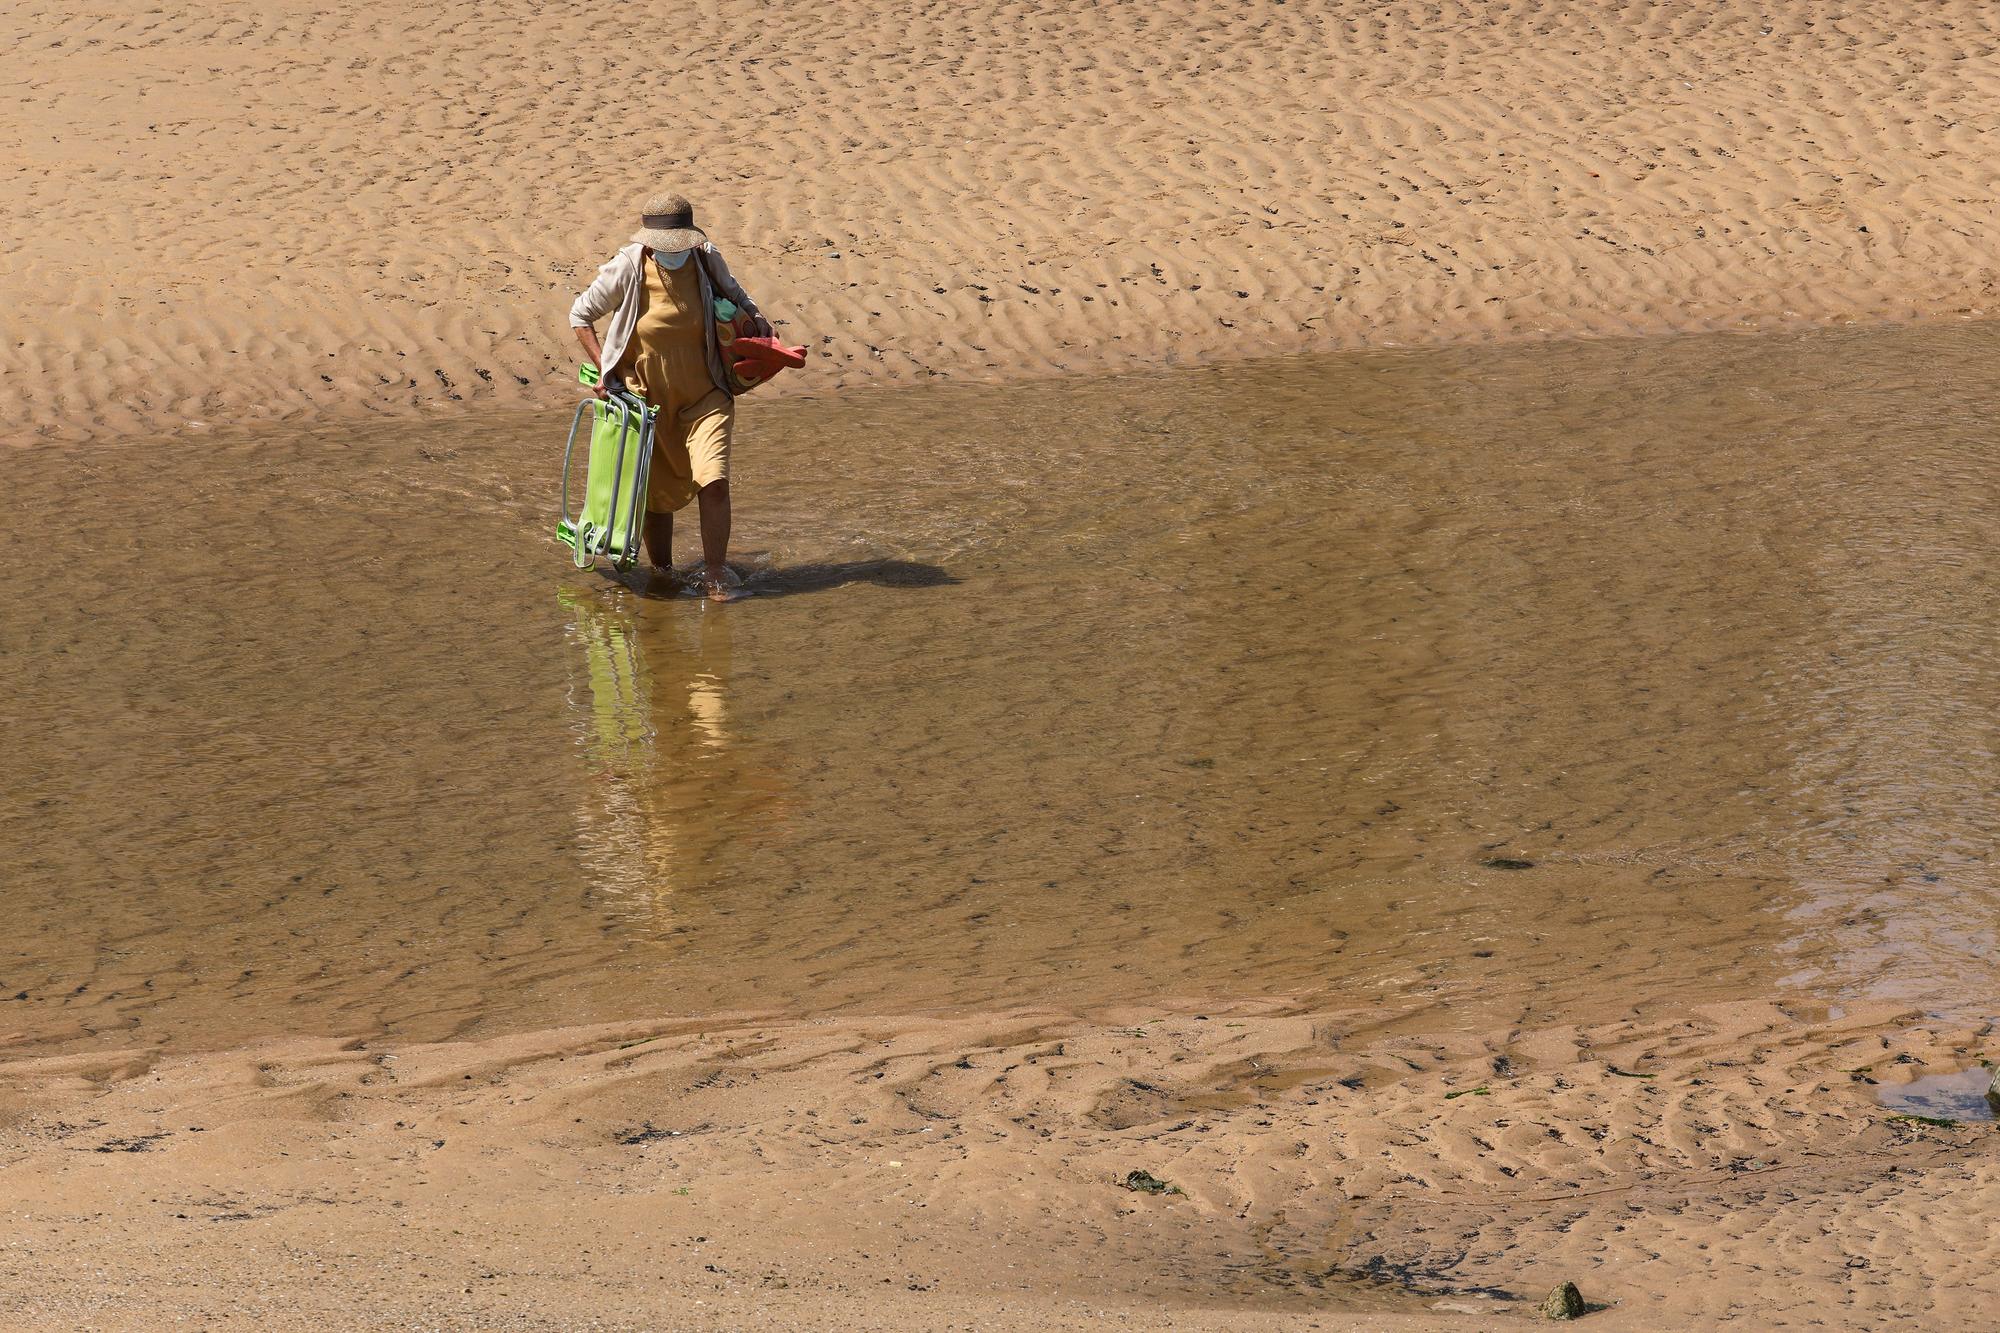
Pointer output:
x,y
587,542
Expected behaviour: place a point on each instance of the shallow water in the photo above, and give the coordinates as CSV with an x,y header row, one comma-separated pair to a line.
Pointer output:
x,y
1956,1096
1476,684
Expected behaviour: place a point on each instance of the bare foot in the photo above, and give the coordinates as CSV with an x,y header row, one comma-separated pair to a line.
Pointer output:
x,y
718,584
665,580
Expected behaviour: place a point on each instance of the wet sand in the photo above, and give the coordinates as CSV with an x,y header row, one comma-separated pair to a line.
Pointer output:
x,y
1466,818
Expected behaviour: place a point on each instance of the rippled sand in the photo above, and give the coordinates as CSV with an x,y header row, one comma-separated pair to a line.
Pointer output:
x,y
1484,719
352,207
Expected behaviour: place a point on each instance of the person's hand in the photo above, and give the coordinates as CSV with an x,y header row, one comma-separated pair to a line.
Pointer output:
x,y
761,327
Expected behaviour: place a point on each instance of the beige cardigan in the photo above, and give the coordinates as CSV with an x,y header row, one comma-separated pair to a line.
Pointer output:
x,y
616,291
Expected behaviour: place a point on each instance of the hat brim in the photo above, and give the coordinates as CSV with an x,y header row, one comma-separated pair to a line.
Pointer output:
x,y
670,241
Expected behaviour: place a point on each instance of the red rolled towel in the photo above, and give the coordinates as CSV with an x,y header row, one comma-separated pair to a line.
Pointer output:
x,y
767,351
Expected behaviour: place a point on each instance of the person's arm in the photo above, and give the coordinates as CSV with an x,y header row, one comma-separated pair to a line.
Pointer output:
x,y
726,283
592,304
595,353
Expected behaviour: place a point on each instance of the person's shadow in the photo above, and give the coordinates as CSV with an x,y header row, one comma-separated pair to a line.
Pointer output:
x,y
761,580
825,575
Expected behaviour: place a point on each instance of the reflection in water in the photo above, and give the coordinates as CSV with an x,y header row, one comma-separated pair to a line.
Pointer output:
x,y
665,786
613,700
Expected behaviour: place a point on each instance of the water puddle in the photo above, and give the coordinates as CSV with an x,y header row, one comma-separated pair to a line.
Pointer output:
x,y
1959,1096
1488,682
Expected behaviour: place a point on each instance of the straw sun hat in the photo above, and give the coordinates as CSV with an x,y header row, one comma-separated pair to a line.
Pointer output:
x,y
666,222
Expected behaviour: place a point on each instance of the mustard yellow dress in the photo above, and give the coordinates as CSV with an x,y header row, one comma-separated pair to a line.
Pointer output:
x,y
666,363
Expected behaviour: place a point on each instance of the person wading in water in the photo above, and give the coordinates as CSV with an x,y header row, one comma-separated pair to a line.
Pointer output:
x,y
661,345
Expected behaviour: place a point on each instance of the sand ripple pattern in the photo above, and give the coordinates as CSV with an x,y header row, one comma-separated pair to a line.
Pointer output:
x,y
1332,1170
291,210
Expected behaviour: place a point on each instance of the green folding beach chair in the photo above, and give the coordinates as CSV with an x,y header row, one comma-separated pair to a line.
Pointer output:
x,y
613,516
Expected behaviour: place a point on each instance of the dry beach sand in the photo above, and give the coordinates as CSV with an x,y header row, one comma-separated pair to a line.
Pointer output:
x,y
308,209
723,1172
305,214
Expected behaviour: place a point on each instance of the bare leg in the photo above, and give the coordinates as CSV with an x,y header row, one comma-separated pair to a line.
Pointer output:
x,y
714,501
660,542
